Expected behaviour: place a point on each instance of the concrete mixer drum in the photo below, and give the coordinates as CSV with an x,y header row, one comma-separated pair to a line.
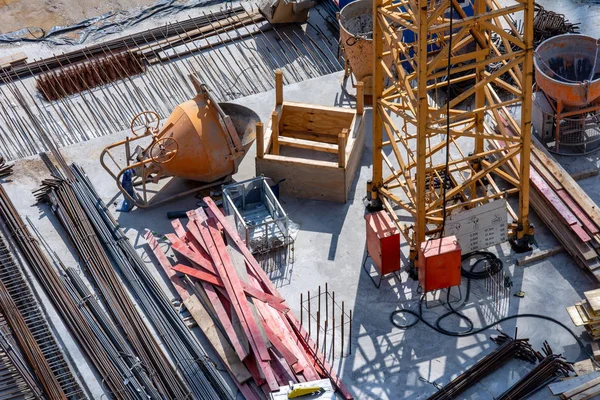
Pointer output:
x,y
202,140
566,99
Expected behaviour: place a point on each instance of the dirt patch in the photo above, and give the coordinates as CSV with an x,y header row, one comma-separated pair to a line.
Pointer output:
x,y
17,14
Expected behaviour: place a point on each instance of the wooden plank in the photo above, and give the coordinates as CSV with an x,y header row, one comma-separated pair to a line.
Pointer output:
x,y
581,175
290,317
185,251
234,330
562,232
308,144
219,342
216,248
593,299
319,119
547,175
578,194
575,317
238,263
584,366
313,180
310,136
13,59
193,229
354,153
585,391
569,384
273,301
596,351
587,223
552,198
270,326
539,255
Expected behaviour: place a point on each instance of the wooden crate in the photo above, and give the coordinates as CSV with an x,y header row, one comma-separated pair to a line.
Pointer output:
x,y
327,141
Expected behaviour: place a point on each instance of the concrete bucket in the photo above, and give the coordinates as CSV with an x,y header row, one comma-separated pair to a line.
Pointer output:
x,y
200,145
356,34
567,68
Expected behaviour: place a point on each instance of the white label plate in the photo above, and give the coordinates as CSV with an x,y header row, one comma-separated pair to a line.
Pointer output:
x,y
479,227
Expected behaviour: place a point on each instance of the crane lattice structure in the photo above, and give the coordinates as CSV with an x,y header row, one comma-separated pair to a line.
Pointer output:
x,y
489,73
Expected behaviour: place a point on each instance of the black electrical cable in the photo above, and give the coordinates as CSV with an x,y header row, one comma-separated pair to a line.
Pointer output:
x,y
493,266
447,166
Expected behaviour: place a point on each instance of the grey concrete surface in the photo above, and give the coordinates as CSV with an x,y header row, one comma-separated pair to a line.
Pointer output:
x,y
386,362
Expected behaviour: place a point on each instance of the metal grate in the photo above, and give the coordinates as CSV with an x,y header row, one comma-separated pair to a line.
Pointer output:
x,y
23,297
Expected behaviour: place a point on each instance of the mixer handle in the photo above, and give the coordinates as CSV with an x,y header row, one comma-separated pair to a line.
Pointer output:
x,y
147,122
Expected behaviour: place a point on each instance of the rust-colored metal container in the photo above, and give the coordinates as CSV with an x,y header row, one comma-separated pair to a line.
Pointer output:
x,y
567,68
439,263
383,242
203,147
356,34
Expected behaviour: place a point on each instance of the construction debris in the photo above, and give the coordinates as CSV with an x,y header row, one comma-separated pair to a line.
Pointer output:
x,y
266,337
547,24
587,313
563,205
234,52
509,349
551,367
87,75
102,244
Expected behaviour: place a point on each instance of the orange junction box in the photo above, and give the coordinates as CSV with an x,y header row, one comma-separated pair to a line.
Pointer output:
x,y
439,263
383,242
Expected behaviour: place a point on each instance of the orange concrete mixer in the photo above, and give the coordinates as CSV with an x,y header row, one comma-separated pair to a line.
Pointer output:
x,y
201,140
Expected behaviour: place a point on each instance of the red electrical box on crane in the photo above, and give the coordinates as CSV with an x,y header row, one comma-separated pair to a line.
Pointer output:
x,y
439,263
383,243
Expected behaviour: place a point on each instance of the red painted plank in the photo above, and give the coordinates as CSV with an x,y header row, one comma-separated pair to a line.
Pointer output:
x,y
270,288
166,266
191,226
554,201
220,256
282,371
270,325
178,228
252,366
589,225
239,344
217,281
185,251
198,274
233,285
184,294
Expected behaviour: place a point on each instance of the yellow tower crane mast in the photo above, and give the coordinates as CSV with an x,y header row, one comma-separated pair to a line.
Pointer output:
x,y
450,90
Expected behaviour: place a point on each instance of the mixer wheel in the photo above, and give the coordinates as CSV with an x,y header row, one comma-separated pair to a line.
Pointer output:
x,y
166,150
147,119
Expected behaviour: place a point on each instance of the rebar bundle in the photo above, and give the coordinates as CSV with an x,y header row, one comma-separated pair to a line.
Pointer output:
x,y
99,240
547,24
29,323
85,76
509,349
30,347
230,51
548,370
98,266
16,380
117,376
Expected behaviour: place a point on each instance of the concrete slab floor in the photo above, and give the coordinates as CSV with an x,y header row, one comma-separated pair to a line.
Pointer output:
x,y
386,362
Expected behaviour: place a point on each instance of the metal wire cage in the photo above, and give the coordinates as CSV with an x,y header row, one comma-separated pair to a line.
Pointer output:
x,y
259,218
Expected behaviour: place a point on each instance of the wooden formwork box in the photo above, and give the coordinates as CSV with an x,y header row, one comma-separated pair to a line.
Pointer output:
x,y
316,128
